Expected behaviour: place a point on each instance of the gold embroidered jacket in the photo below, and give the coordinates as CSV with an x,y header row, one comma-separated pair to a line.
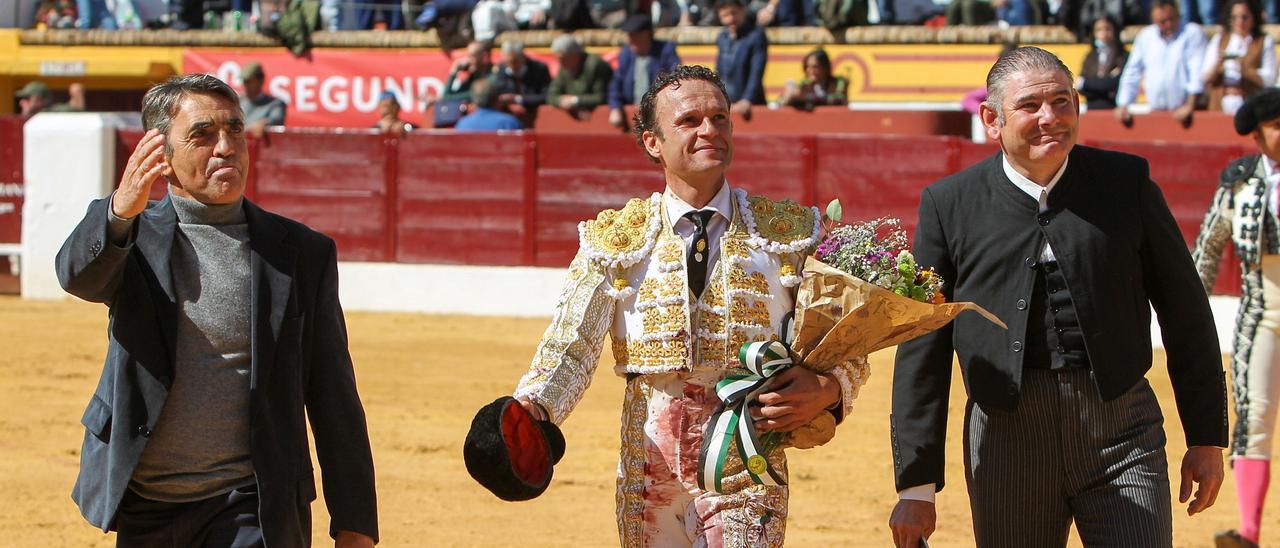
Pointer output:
x,y
628,281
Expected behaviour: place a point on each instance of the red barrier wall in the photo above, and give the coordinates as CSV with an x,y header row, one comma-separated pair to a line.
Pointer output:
x,y
11,192
1213,128
516,199
785,121
11,180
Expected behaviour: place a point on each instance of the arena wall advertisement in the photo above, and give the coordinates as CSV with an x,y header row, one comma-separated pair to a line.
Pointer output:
x,y
333,88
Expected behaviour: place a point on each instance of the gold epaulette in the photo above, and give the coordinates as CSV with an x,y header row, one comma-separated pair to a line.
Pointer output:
x,y
780,226
621,238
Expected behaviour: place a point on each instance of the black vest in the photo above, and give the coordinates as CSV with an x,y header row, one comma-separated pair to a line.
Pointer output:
x,y
1054,338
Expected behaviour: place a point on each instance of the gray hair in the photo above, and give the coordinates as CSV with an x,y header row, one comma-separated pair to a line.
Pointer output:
x,y
566,44
513,46
160,104
1018,61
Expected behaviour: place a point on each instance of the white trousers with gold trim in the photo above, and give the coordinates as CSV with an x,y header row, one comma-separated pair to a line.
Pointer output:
x,y
1263,379
658,499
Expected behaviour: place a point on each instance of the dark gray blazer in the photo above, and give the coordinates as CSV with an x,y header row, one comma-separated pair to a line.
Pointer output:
x,y
300,368
1122,254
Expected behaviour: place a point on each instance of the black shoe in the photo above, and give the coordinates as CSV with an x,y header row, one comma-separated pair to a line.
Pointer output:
x,y
1232,539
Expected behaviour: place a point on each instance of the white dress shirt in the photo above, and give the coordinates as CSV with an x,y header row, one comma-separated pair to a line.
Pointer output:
x,y
1036,192
1169,70
1232,71
928,491
722,204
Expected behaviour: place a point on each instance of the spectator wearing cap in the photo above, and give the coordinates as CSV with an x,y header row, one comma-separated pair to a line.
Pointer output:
x,y
485,115
1242,214
742,50
583,80
639,64
35,97
522,83
390,122
260,108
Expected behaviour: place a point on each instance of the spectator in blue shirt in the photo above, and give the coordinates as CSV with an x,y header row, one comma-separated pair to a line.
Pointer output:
x,y
639,64
485,116
742,50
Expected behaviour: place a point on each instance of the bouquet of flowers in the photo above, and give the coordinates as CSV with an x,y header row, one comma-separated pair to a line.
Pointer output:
x,y
876,251
861,291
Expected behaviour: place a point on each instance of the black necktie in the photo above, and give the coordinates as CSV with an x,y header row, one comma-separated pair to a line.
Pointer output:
x,y
697,254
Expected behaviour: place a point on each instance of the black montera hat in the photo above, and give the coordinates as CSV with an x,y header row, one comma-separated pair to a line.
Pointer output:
x,y
1262,107
511,453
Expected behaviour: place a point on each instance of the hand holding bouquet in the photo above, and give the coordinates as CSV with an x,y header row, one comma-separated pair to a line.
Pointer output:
x,y
863,291
859,292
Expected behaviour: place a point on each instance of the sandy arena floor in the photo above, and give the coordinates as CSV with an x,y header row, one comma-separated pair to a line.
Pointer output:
x,y
420,406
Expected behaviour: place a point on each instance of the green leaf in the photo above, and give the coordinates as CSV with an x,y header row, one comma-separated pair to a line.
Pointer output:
x,y
834,211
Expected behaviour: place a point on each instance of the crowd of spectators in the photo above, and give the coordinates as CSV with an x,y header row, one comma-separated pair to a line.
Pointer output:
x,y
36,97
486,19
1171,62
585,81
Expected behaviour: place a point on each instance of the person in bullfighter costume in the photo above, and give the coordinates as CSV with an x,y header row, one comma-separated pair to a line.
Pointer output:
x,y
679,281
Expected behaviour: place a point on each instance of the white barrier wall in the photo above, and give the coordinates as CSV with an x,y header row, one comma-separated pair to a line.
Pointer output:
x,y
68,160
450,289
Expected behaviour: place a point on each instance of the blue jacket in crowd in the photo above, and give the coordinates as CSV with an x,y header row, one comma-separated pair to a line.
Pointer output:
x,y
623,84
740,62
485,119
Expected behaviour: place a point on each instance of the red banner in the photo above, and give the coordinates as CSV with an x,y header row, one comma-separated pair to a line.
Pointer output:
x,y
337,88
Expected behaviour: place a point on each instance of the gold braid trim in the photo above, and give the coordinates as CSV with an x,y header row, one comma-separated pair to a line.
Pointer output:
x,y
621,238
780,226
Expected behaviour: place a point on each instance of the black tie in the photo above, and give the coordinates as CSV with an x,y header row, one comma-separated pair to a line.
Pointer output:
x,y
697,254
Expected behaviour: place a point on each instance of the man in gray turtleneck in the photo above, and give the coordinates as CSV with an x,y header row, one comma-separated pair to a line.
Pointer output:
x,y
226,336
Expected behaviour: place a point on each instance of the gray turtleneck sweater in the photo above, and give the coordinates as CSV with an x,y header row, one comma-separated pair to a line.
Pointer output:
x,y
200,445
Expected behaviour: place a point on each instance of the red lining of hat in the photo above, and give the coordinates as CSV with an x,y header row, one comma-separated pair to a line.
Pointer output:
x,y
526,445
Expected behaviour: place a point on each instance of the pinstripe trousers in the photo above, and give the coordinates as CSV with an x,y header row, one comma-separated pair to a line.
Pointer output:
x,y
1064,454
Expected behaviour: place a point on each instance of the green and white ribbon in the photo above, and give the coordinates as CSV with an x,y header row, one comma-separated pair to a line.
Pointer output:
x,y
732,421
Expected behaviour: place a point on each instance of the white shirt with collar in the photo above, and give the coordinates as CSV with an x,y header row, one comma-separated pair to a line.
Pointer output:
x,y
928,491
722,204
1036,192
1169,70
1271,176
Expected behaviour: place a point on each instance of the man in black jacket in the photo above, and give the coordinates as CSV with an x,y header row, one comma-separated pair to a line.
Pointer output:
x,y
521,83
1070,246
226,336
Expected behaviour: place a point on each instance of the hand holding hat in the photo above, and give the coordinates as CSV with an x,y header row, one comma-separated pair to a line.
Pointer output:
x,y
510,452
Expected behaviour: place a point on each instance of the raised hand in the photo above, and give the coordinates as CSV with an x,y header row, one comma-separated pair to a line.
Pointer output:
x,y
144,167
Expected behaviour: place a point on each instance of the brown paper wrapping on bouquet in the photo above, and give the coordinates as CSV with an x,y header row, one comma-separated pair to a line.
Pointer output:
x,y
840,316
